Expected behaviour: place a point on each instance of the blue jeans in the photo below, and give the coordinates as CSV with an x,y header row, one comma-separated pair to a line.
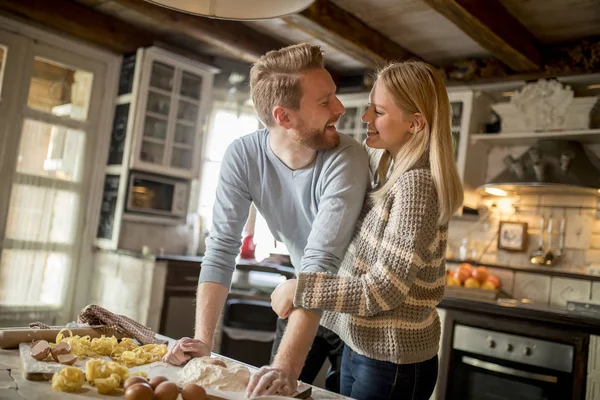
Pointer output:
x,y
367,378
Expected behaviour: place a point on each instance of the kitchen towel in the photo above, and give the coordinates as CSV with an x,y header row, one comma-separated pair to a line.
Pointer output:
x,y
94,315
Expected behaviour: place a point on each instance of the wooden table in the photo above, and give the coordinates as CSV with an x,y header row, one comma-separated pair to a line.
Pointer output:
x,y
14,387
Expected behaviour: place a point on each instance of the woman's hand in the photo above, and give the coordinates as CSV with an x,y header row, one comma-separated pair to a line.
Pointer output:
x,y
282,298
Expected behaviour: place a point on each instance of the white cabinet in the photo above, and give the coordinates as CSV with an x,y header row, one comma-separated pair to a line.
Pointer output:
x,y
470,113
593,369
173,101
129,285
351,122
170,103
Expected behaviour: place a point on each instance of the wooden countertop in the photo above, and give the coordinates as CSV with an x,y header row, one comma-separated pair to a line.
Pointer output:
x,y
14,387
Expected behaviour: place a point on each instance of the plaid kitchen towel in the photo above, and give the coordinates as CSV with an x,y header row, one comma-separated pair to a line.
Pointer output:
x,y
94,315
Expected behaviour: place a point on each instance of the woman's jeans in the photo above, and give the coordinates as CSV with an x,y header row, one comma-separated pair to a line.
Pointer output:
x,y
366,378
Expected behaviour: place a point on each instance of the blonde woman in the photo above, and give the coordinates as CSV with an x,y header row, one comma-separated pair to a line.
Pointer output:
x,y
383,301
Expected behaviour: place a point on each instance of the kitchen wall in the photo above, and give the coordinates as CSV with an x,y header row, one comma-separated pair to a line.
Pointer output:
x,y
531,208
167,239
582,238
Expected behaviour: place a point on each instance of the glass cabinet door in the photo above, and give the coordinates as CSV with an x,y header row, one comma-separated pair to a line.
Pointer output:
x,y
156,118
186,124
457,111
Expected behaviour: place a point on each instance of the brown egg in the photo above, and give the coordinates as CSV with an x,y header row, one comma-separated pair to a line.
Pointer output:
x,y
157,380
193,392
166,391
133,380
139,391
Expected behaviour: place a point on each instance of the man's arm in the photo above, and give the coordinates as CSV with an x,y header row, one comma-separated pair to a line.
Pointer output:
x,y
210,300
344,186
230,212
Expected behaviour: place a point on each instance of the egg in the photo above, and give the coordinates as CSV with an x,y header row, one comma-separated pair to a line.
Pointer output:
x,y
133,380
166,391
157,380
193,392
139,391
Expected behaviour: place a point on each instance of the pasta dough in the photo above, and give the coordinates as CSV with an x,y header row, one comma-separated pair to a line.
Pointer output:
x,y
234,378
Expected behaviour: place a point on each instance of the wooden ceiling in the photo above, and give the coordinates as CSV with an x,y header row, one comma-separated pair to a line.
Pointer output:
x,y
469,40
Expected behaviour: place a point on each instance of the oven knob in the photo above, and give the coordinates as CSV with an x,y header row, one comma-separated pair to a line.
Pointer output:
x,y
509,347
491,343
527,350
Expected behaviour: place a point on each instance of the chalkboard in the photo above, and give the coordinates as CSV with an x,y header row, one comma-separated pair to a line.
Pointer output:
x,y
109,206
126,77
119,132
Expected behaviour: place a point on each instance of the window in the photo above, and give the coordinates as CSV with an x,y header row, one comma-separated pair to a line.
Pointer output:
x,y
54,106
226,125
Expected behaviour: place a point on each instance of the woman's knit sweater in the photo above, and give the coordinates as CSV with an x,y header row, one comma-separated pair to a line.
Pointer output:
x,y
382,303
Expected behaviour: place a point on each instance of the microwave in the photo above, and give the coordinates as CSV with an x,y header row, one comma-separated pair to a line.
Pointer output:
x,y
157,195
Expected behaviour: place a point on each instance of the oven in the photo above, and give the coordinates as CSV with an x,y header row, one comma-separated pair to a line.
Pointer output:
x,y
493,365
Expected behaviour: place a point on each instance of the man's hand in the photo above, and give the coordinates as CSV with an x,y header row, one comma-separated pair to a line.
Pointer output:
x,y
282,298
271,380
185,349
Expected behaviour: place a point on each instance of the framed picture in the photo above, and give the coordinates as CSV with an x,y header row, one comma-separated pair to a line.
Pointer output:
x,y
512,236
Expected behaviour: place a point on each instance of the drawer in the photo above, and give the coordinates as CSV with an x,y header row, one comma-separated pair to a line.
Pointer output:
x,y
182,277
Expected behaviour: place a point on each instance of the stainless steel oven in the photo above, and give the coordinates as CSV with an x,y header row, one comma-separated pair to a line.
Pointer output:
x,y
492,365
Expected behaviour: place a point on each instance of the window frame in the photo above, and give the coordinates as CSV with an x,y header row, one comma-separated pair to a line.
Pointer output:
x,y
42,43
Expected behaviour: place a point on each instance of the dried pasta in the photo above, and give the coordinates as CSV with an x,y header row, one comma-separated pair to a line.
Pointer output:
x,y
127,352
69,379
107,375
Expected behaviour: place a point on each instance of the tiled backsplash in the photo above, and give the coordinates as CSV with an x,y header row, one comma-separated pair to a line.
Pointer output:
x,y
583,250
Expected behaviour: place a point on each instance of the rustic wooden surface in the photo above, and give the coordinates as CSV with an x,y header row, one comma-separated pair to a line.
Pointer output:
x,y
13,386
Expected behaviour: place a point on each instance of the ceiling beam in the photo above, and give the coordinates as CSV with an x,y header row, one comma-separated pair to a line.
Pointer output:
x,y
495,29
338,28
582,57
236,39
81,22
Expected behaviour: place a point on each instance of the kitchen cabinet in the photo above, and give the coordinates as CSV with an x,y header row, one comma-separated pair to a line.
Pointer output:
x,y
159,123
351,122
593,369
129,285
163,103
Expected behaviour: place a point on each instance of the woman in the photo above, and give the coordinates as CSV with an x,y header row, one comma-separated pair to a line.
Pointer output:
x,y
383,301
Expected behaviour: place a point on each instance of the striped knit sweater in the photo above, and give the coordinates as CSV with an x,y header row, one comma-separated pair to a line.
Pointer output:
x,y
382,303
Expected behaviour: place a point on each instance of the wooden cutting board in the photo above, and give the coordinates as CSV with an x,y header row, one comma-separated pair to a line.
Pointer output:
x,y
35,370
11,338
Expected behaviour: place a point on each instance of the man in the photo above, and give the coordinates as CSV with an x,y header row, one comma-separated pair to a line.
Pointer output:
x,y
309,184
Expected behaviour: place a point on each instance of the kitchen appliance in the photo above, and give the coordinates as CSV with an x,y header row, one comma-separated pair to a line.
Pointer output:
x,y
551,165
157,195
487,364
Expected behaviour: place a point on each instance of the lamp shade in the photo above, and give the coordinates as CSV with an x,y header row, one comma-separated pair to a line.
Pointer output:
x,y
236,9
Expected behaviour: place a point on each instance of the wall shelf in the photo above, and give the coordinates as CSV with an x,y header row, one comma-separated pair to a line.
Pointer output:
x,y
529,138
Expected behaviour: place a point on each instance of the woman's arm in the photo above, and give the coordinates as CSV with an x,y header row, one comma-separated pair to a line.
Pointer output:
x,y
410,222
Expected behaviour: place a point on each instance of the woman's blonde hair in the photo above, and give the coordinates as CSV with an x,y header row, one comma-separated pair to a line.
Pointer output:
x,y
275,79
417,87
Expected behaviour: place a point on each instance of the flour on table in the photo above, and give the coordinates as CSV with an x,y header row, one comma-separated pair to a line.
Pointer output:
x,y
234,378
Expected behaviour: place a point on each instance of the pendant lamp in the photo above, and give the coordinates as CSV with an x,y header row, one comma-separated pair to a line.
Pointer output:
x,y
236,9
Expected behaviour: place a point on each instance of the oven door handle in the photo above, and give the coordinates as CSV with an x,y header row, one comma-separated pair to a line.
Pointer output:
x,y
507,370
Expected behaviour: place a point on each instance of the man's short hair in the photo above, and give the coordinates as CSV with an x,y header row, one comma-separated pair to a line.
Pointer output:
x,y
275,80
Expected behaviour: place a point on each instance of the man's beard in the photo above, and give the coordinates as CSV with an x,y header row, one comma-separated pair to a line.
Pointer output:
x,y
317,139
